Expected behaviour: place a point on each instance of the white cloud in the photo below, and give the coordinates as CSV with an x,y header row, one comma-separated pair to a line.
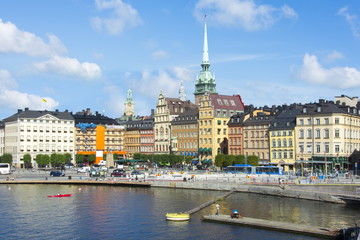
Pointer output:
x,y
151,83
70,67
340,77
242,13
352,20
11,98
122,15
116,99
159,54
334,55
13,40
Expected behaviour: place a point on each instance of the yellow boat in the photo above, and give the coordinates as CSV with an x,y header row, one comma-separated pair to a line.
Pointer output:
x,y
177,216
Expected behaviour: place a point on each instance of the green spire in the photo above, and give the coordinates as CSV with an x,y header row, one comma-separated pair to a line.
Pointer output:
x,y
129,97
205,82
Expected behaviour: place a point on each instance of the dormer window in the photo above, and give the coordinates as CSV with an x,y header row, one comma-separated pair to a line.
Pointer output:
x,y
304,110
319,109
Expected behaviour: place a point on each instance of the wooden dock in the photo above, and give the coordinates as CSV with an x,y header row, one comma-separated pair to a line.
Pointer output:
x,y
274,225
204,205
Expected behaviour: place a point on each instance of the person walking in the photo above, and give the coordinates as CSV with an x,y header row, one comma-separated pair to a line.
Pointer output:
x,y
217,208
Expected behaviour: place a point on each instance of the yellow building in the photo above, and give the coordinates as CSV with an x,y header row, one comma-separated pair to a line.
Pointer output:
x,y
326,134
282,138
214,113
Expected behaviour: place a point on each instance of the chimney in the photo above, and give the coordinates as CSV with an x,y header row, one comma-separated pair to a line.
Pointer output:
x,y
26,109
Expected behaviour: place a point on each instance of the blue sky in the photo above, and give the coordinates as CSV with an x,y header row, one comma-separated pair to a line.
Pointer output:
x,y
80,54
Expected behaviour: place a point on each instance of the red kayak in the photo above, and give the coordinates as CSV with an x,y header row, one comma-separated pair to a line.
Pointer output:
x,y
61,195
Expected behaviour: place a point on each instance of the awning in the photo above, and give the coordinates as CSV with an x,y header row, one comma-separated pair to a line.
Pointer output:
x,y
209,149
201,149
205,150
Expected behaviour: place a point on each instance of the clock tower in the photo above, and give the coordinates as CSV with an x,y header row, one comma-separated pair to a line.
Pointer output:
x,y
129,104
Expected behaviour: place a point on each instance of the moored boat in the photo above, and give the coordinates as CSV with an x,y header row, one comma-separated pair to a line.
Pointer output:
x,y
177,216
351,233
61,195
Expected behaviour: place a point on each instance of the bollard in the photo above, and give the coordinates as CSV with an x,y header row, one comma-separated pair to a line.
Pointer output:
x,y
69,177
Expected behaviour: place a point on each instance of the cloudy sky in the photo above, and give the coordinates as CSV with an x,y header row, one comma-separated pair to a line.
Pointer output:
x,y
79,54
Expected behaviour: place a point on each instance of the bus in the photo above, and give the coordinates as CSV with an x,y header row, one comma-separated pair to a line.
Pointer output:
x,y
249,169
5,168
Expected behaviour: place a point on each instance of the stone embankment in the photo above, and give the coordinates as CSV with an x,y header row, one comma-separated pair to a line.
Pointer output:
x,y
310,192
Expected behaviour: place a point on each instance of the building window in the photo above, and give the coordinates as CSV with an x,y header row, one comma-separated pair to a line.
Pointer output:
x,y
327,148
301,133
317,121
337,133
309,133
326,120
317,133
318,148
326,133
337,121
337,148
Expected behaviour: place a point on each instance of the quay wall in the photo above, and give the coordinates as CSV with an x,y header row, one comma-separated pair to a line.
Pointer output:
x,y
292,191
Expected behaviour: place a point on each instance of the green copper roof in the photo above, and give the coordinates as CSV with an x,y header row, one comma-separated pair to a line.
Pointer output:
x,y
205,82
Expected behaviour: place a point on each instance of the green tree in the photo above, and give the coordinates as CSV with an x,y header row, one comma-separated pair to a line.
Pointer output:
x,y
79,158
27,160
137,155
239,159
219,160
67,157
7,158
91,158
253,160
42,160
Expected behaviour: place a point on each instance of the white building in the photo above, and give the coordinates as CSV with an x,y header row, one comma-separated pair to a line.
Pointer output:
x,y
38,132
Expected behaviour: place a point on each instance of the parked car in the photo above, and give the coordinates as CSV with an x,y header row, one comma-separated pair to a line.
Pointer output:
x,y
57,174
136,172
118,173
84,169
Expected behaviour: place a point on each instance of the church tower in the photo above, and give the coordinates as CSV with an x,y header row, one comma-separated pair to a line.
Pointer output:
x,y
129,104
182,92
205,82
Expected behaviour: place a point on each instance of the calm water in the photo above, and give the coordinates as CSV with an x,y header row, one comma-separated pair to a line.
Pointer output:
x,y
99,212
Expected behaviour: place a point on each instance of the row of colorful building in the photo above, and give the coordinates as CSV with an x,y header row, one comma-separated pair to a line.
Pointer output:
x,y
296,136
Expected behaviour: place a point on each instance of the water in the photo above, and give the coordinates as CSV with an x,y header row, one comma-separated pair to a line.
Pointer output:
x,y
104,212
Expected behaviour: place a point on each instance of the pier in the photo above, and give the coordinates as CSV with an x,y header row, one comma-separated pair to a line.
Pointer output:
x,y
204,205
274,225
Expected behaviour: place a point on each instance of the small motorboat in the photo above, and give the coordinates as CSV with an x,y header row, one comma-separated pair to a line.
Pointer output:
x,y
177,216
61,195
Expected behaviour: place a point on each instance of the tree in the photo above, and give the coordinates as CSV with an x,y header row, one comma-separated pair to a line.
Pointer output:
x,y
239,159
67,157
6,158
219,160
79,158
253,160
137,156
27,160
91,158
42,160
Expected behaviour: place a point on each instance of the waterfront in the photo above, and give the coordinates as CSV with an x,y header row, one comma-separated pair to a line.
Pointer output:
x,y
103,212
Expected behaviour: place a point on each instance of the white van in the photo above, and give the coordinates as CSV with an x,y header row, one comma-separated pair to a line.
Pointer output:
x,y
84,169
